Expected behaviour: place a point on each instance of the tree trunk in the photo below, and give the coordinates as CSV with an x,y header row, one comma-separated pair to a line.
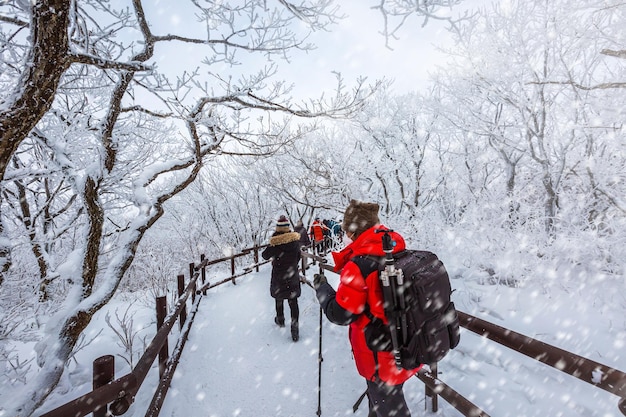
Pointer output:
x,y
46,62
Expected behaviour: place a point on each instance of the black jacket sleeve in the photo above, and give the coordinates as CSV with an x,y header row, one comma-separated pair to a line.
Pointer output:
x,y
334,312
268,252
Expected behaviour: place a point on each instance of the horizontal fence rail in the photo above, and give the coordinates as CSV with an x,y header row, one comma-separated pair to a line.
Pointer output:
x,y
435,387
594,373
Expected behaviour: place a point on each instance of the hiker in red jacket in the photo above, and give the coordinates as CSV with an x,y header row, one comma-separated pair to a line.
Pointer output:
x,y
316,231
354,294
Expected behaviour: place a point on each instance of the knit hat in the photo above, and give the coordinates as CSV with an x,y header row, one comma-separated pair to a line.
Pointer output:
x,y
282,225
360,216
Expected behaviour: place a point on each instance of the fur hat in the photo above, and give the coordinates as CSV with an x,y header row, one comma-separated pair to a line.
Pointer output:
x,y
282,225
360,216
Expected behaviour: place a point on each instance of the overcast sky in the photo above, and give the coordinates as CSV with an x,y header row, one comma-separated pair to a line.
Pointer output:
x,y
354,47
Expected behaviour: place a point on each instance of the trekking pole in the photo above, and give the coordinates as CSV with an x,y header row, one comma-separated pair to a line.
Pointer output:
x,y
319,370
319,355
320,358
391,279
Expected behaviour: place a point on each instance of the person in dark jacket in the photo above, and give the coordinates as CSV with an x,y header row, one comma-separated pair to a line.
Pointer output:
x,y
354,294
304,236
284,250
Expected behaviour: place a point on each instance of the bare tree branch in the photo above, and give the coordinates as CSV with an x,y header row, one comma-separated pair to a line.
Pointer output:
x,y
395,13
601,86
618,54
106,63
13,20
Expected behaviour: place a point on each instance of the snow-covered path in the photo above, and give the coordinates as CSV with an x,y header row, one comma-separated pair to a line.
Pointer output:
x,y
237,362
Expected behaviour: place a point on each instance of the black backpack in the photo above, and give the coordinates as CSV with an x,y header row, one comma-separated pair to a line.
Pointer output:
x,y
420,313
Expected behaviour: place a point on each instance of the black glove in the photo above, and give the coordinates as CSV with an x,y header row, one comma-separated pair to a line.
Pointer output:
x,y
319,279
324,292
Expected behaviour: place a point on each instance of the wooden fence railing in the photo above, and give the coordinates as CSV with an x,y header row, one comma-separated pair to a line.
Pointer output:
x,y
114,396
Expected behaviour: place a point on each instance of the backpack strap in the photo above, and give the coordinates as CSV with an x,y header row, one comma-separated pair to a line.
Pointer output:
x,y
368,264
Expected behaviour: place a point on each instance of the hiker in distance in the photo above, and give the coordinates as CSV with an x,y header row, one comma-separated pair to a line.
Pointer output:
x,y
284,250
304,236
316,231
356,294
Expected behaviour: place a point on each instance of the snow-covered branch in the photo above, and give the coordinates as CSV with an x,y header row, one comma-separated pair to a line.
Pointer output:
x,y
80,58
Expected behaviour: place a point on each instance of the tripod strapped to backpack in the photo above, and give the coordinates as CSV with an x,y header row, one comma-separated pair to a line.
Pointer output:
x,y
422,323
392,281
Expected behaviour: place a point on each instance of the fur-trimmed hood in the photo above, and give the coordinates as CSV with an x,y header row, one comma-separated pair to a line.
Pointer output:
x,y
283,238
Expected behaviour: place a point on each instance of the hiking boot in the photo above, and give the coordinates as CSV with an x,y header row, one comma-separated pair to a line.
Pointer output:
x,y
295,333
280,322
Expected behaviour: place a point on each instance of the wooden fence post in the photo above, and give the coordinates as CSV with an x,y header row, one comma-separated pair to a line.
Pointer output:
x,y
161,313
303,266
434,404
183,312
192,270
256,257
232,268
103,373
203,272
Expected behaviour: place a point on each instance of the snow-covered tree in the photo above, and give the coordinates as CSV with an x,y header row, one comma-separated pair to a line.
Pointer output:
x,y
532,137
95,138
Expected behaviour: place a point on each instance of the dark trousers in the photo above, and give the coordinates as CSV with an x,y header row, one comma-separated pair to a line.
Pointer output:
x,y
293,306
319,247
386,400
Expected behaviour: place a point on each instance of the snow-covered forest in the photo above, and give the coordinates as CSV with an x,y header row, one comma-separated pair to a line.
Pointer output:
x,y
118,167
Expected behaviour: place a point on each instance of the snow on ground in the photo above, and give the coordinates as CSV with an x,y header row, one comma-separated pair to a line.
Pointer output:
x,y
237,362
